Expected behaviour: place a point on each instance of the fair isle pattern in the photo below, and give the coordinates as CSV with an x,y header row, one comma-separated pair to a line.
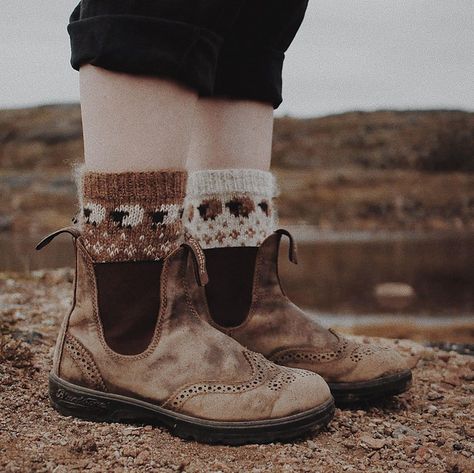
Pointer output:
x,y
230,207
131,232
143,222
219,221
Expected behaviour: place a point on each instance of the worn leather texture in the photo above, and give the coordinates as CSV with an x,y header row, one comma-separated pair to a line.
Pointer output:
x,y
188,366
283,333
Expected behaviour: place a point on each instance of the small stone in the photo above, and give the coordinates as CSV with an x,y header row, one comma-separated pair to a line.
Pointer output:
x,y
433,396
143,458
421,454
375,444
349,444
428,354
131,431
312,445
444,355
403,465
404,431
374,456
129,451
451,379
87,445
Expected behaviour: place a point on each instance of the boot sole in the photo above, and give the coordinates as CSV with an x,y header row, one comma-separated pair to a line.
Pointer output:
x,y
366,391
72,400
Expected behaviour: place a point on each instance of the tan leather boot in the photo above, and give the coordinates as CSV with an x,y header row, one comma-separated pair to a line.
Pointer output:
x,y
158,362
269,323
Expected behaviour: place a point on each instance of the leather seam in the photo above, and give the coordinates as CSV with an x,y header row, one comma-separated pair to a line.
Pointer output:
x,y
187,386
256,293
187,296
65,325
294,351
74,340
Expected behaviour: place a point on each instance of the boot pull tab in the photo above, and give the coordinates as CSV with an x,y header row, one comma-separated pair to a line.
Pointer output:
x,y
199,260
73,231
292,250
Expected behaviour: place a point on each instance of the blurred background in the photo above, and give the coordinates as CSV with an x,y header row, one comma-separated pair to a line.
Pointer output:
x,y
373,148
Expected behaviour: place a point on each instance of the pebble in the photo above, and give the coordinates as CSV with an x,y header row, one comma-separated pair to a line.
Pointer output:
x,y
444,355
452,380
404,431
373,443
434,396
129,451
312,445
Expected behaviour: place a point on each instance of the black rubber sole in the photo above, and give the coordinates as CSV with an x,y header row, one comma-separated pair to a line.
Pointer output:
x,y
368,391
72,400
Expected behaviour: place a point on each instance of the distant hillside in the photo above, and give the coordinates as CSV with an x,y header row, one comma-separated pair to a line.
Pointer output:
x,y
355,171
51,137
40,138
426,140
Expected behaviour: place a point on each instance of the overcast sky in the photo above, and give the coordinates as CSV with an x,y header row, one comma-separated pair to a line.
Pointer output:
x,y
349,54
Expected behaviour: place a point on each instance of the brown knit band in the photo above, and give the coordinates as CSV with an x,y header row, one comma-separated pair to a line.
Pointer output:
x,y
132,216
166,187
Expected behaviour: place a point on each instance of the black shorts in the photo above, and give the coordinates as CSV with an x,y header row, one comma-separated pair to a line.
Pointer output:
x,y
222,48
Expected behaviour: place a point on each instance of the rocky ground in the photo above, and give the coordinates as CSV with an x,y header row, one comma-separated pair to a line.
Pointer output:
x,y
428,429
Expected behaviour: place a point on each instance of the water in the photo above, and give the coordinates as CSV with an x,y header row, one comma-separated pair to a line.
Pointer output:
x,y
337,273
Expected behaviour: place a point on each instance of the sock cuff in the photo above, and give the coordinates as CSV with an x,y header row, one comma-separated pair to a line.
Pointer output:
x,y
166,186
230,181
131,216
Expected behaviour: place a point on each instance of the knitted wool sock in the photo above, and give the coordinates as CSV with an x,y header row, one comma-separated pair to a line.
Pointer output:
x,y
131,216
228,208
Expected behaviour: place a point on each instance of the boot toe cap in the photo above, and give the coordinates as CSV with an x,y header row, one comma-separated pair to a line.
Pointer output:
x,y
306,391
289,392
374,362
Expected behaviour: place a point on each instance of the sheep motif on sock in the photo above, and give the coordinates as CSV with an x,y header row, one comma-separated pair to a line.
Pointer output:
x,y
93,214
132,216
127,216
230,207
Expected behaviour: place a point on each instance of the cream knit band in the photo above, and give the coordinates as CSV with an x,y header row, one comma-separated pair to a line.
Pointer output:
x,y
231,207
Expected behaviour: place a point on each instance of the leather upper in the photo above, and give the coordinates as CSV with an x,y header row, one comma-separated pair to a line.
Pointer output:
x,y
188,366
283,333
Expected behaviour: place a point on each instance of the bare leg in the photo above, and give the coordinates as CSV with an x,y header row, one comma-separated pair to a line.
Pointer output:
x,y
136,135
134,123
230,196
230,134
